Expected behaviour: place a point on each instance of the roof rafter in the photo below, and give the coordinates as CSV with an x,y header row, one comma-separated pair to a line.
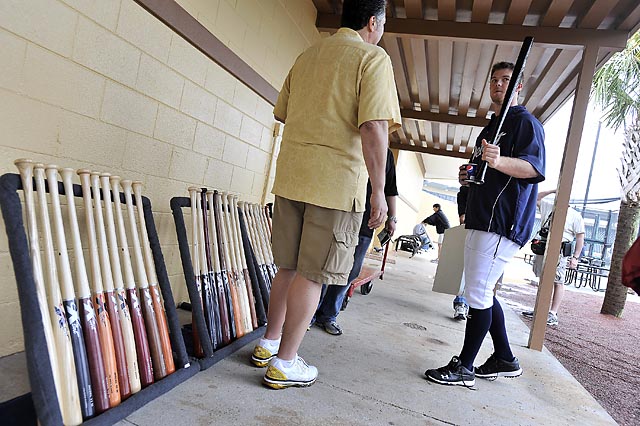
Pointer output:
x,y
427,150
443,118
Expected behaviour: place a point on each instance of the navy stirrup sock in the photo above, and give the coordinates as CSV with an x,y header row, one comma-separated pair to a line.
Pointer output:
x,y
498,333
478,325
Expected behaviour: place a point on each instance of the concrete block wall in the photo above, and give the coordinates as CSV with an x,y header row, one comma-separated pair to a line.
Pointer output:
x,y
102,84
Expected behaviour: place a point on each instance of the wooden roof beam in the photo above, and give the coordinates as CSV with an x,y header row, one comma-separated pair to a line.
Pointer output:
x,y
427,150
443,118
553,36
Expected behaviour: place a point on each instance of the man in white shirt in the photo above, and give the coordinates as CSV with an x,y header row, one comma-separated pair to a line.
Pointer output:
x,y
573,229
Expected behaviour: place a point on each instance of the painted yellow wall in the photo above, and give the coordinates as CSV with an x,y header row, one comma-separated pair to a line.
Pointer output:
x,y
102,84
409,178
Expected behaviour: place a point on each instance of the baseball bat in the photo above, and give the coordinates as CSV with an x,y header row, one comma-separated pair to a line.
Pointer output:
x,y
195,259
506,103
161,319
237,236
261,275
222,289
51,334
104,323
148,311
118,302
87,310
243,300
69,299
208,301
72,411
228,266
107,282
266,241
131,294
255,243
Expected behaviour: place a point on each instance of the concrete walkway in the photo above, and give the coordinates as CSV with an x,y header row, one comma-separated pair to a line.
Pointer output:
x,y
373,373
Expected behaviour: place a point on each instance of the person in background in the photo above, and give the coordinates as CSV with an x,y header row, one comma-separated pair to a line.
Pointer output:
x,y
573,230
499,219
332,296
339,102
440,221
421,231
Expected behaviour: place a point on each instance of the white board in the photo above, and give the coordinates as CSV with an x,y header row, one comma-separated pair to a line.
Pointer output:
x,y
448,278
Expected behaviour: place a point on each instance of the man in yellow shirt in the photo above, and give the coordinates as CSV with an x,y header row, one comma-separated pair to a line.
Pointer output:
x,y
339,103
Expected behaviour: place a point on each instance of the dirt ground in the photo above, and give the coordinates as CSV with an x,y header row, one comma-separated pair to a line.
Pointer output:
x,y
602,352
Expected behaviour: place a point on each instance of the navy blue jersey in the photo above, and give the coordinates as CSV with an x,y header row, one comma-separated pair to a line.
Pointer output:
x,y
505,205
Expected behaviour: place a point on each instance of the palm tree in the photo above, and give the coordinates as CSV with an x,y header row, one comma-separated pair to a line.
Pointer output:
x,y
616,88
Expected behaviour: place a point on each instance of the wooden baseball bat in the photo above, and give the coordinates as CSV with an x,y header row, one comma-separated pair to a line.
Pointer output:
x,y
195,259
161,318
70,394
243,300
225,329
148,311
263,232
237,236
104,323
255,243
118,302
86,308
47,311
69,299
210,305
107,282
131,294
227,279
261,275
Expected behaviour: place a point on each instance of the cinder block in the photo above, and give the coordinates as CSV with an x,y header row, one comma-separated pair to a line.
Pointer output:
x,y
228,119
218,175
9,291
206,8
266,139
242,181
235,152
220,82
251,131
174,127
59,81
209,141
21,131
11,331
146,155
257,160
160,82
129,109
230,23
188,60
165,225
250,14
268,8
144,30
198,103
104,12
245,99
91,141
161,190
258,185
187,166
48,23
264,113
11,65
106,53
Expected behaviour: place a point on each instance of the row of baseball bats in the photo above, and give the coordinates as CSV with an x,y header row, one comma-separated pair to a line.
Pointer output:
x,y
220,264
105,326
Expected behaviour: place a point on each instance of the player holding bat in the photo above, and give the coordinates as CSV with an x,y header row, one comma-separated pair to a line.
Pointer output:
x,y
499,216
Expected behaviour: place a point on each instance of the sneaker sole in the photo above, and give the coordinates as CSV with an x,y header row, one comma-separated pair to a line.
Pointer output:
x,y
459,317
261,362
282,384
507,374
462,383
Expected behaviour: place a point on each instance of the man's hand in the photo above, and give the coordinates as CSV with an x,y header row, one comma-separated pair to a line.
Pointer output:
x,y
378,209
491,154
573,263
462,175
462,216
390,226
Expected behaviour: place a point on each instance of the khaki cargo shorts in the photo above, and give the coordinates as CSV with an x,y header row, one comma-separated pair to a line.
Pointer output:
x,y
315,241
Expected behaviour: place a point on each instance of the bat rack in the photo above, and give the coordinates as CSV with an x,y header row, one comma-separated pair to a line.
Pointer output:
x,y
43,393
212,356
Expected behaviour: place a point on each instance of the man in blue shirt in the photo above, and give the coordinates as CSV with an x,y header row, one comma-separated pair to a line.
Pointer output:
x,y
499,216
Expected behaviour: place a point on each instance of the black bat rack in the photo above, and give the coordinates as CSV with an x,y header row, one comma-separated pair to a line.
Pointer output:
x,y
43,393
211,355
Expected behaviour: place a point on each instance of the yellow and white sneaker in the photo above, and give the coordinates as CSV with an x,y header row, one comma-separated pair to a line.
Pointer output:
x,y
264,352
281,375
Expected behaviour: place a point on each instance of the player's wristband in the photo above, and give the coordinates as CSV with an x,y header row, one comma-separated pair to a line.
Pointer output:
x,y
393,219
576,258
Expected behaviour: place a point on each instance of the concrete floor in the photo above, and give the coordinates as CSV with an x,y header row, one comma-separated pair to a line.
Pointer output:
x,y
373,373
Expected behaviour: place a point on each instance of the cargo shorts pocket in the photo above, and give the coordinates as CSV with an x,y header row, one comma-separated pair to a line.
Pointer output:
x,y
340,258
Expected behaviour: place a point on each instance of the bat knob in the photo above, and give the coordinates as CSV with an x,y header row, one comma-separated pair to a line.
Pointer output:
x,y
105,174
20,161
83,172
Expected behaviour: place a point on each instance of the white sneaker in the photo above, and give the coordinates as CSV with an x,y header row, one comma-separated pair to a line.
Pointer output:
x,y
264,352
460,312
279,376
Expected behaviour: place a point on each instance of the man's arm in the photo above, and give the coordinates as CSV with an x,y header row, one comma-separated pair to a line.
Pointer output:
x,y
573,261
390,225
543,194
514,167
375,140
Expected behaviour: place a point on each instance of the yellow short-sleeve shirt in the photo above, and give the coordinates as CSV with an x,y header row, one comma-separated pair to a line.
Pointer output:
x,y
333,87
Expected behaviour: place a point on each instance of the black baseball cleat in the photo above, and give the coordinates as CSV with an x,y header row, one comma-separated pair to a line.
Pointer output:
x,y
453,374
495,367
